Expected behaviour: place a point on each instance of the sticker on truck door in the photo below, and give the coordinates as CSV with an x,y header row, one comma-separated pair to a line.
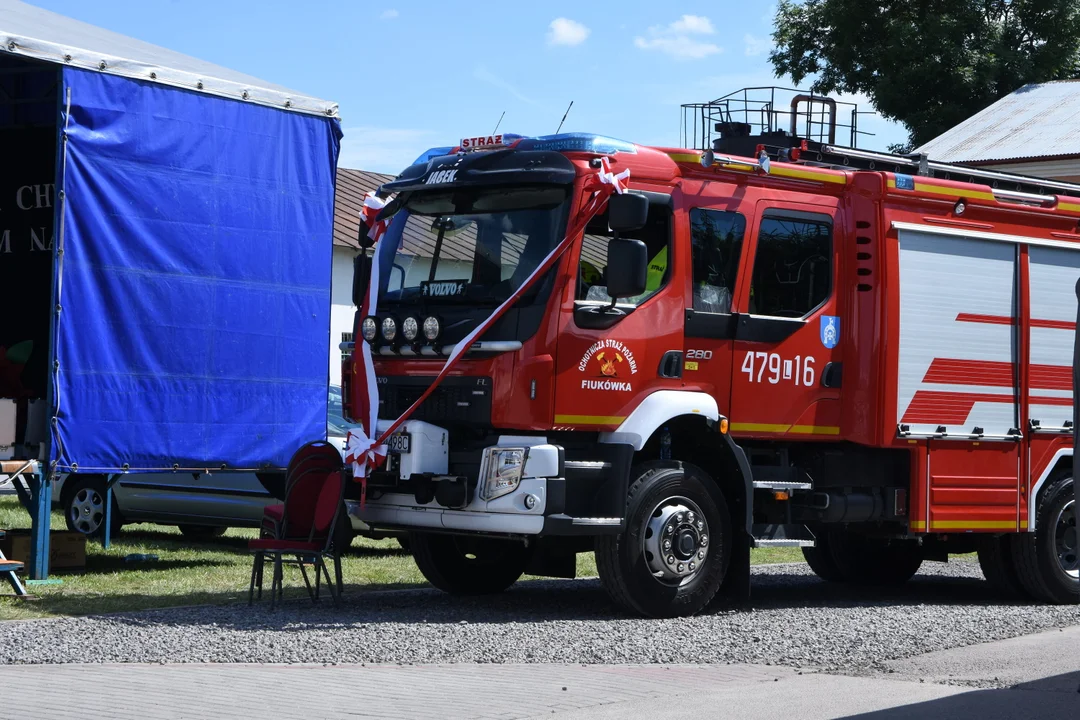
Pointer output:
x,y
830,331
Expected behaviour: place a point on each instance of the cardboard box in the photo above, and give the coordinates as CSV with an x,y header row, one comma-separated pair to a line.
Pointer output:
x,y
67,550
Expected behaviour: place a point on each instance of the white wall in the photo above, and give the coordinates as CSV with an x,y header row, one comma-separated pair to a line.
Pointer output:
x,y
341,307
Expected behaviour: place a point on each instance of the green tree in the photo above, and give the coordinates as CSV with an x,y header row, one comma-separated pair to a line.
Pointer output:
x,y
929,64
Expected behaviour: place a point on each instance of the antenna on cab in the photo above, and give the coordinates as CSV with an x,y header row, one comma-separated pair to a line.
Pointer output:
x,y
564,117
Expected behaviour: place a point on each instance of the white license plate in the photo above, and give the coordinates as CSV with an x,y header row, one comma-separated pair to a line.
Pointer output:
x,y
400,443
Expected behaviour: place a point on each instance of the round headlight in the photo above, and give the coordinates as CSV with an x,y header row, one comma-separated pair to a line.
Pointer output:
x,y
431,328
410,328
369,328
389,329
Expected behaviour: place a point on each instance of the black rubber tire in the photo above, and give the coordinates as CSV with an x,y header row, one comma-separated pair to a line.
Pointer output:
x,y
403,541
201,532
872,561
820,559
79,487
996,561
1035,554
468,565
620,559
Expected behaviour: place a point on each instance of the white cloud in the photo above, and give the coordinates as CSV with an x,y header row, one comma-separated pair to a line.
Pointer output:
x,y
677,38
388,14
564,31
694,24
484,75
386,150
756,46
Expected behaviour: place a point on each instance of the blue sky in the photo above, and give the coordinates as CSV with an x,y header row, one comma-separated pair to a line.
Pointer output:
x,y
411,74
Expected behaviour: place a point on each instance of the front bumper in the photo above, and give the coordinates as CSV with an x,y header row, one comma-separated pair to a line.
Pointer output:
x,y
555,496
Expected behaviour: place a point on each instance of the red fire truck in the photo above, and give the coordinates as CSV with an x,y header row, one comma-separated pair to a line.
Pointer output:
x,y
772,342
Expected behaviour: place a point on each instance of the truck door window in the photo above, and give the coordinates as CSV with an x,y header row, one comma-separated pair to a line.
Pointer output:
x,y
592,276
793,265
716,240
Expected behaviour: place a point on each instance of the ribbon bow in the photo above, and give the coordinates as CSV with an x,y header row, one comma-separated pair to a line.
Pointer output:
x,y
610,178
369,211
362,453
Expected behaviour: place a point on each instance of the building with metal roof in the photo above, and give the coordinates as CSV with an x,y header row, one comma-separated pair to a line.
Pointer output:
x,y
1034,130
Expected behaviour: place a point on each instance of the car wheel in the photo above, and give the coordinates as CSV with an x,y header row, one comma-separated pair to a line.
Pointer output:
x,y
84,506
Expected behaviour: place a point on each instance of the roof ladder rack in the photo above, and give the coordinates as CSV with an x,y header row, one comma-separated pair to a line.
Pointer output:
x,y
1015,187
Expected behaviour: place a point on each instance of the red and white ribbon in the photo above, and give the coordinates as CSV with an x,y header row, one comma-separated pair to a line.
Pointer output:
x,y
362,450
619,182
369,211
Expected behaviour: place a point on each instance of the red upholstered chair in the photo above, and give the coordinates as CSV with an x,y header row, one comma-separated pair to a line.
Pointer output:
x,y
306,528
307,466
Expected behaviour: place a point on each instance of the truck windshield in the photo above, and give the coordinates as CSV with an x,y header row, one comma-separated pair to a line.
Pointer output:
x,y
469,246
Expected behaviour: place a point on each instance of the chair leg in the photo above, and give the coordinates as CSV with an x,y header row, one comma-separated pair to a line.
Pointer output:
x,y
307,581
259,580
281,577
318,582
254,574
276,585
329,583
337,572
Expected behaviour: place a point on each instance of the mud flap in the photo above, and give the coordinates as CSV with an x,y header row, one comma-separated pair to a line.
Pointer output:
x,y
735,592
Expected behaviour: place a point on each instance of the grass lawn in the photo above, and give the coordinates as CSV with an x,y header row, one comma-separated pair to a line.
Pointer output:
x,y
215,571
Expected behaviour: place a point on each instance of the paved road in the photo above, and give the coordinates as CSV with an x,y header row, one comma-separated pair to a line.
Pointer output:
x,y
1036,676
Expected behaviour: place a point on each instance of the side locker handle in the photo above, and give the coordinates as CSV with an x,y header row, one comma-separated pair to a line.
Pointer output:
x,y
671,364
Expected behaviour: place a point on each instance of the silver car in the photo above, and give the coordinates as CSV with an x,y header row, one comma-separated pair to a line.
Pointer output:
x,y
200,504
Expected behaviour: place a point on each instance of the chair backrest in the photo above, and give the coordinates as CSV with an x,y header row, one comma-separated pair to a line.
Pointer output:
x,y
308,471
329,504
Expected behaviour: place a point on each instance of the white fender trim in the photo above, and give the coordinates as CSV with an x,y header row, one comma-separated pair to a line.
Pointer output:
x,y
1063,452
655,410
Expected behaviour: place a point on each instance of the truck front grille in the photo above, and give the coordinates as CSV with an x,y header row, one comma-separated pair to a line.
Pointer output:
x,y
455,400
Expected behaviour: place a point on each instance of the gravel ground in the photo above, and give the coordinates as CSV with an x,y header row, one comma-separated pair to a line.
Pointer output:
x,y
796,620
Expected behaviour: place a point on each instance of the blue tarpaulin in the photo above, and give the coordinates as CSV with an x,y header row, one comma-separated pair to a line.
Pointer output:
x,y
194,279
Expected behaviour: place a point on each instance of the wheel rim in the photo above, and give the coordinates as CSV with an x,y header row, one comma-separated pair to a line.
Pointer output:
x,y
1065,540
87,510
676,541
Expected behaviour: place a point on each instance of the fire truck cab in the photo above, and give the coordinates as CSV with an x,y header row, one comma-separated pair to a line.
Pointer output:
x,y
870,362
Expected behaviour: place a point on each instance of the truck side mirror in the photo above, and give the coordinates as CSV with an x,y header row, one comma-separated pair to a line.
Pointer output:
x,y
627,212
360,277
627,267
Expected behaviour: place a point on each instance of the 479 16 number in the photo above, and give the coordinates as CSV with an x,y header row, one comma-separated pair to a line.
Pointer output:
x,y
770,367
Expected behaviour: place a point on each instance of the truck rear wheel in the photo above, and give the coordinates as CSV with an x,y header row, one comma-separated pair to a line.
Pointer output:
x,y
673,555
873,561
1046,560
465,565
820,559
996,561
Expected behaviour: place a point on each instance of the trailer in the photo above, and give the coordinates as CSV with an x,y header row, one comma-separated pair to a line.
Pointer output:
x,y
165,235
766,341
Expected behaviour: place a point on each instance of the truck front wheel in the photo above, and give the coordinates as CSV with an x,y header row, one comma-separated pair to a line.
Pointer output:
x,y
465,565
673,555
